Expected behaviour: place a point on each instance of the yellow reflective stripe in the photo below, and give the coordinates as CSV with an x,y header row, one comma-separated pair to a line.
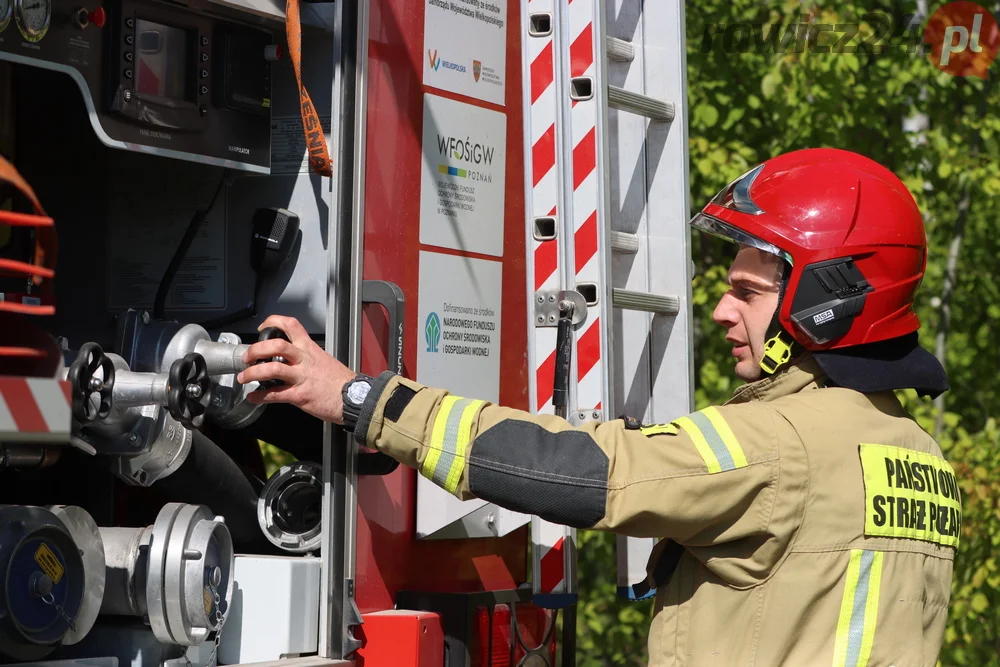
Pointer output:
x,y
461,445
700,443
846,607
871,609
437,437
858,610
658,429
728,439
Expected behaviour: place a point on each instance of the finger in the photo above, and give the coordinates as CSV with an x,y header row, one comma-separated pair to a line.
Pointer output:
x,y
272,370
275,347
291,326
276,395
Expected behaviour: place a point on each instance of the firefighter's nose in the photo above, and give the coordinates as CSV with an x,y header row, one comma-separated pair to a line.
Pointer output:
x,y
726,314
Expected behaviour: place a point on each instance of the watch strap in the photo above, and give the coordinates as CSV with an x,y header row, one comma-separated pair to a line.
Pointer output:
x,y
368,409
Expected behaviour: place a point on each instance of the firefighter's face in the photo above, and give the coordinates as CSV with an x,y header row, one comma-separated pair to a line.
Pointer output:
x,y
745,310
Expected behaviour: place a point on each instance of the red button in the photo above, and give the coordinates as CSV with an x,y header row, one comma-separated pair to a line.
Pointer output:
x,y
98,17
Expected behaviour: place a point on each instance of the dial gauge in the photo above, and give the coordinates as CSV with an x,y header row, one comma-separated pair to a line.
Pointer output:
x,y
33,18
6,11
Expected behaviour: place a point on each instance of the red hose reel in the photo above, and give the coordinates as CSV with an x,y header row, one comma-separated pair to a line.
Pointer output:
x,y
26,349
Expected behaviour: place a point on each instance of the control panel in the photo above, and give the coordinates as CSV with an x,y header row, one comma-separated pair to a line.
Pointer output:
x,y
156,77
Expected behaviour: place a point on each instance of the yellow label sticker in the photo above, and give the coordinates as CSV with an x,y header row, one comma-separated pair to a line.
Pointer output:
x,y
208,602
658,429
911,495
50,565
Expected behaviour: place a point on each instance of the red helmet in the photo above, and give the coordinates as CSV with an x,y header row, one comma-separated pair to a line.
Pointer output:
x,y
851,233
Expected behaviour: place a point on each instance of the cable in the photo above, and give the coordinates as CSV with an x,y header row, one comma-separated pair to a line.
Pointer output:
x,y
249,311
193,227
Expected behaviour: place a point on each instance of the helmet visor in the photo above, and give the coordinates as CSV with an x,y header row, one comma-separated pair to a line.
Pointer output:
x,y
716,227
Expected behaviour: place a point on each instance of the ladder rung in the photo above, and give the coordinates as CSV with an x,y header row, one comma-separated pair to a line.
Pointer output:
x,y
642,105
624,242
653,303
619,50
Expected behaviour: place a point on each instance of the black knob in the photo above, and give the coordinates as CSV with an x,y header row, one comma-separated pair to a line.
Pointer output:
x,y
129,23
189,390
204,73
128,74
204,90
204,40
268,334
128,56
204,57
84,385
128,40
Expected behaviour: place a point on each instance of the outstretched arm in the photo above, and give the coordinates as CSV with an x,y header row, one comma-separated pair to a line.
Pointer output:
x,y
706,478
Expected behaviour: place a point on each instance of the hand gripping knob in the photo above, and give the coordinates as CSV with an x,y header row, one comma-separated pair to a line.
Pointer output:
x,y
189,390
84,384
268,334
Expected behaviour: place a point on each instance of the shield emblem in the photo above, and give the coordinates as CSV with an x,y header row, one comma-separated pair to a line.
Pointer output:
x,y
477,67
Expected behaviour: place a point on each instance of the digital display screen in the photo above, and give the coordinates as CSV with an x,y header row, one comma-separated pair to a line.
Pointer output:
x,y
162,67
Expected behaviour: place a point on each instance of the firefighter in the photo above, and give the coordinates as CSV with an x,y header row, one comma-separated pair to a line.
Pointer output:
x,y
808,520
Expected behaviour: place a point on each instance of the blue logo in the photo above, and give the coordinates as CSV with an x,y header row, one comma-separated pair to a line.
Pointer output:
x,y
432,332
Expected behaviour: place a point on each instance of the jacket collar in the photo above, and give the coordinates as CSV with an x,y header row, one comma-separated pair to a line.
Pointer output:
x,y
802,374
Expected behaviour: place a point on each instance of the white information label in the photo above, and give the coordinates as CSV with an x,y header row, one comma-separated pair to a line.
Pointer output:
x,y
465,47
288,144
462,181
459,325
145,226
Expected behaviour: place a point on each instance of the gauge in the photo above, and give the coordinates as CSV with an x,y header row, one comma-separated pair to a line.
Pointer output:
x,y
6,10
33,17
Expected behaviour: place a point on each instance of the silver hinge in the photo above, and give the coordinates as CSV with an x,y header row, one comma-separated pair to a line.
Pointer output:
x,y
547,307
581,417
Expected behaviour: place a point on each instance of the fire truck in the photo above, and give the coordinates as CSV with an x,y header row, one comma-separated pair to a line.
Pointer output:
x,y
484,195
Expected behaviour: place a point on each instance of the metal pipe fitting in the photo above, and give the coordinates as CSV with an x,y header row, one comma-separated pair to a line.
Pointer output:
x,y
177,574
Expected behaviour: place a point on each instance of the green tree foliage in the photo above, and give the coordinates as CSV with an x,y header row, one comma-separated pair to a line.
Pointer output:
x,y
747,106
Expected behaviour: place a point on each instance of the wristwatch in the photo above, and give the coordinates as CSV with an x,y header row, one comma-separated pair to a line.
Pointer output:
x,y
354,393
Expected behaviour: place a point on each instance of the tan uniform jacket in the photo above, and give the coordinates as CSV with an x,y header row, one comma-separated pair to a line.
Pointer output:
x,y
817,524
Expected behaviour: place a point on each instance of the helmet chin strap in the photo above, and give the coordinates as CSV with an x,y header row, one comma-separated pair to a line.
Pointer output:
x,y
779,346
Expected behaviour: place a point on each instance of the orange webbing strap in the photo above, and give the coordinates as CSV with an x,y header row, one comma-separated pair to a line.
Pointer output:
x,y
319,155
45,242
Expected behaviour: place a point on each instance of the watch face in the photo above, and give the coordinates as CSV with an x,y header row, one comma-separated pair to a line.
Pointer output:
x,y
358,392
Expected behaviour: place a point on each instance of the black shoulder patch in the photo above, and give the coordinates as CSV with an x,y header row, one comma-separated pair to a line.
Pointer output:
x,y
631,423
560,477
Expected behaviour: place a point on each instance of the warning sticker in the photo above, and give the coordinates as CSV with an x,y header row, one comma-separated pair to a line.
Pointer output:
x,y
49,563
288,144
910,494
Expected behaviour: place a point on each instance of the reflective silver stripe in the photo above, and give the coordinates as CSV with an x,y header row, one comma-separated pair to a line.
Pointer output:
x,y
714,440
857,629
450,443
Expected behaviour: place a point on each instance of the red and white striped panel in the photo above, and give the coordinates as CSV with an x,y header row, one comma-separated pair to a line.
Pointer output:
x,y
34,410
554,545
588,217
541,89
